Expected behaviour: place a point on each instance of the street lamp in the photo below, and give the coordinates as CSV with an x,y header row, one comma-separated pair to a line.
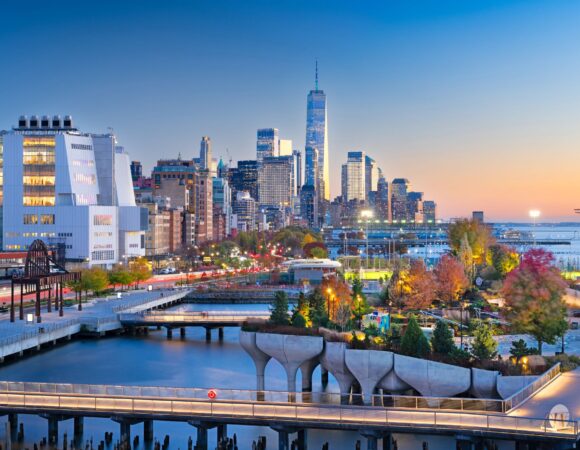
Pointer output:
x,y
463,305
534,214
367,214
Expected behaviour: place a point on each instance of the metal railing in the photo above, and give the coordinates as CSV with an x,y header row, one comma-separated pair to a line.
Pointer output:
x,y
523,394
132,303
40,397
39,330
196,316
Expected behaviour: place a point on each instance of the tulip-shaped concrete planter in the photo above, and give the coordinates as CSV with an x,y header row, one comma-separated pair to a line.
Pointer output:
x,y
291,351
508,386
484,383
332,359
248,343
432,379
392,384
368,367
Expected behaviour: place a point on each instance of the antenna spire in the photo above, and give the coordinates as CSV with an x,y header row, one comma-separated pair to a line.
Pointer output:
x,y
316,76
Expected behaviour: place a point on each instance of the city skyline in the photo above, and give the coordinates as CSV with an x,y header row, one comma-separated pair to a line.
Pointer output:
x,y
494,94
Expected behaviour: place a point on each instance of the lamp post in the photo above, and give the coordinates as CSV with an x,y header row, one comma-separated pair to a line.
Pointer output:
x,y
462,306
367,214
534,214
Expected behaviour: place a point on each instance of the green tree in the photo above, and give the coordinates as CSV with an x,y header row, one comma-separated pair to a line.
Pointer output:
x,y
414,342
120,275
504,259
298,321
303,309
534,294
318,253
478,235
140,270
520,349
442,340
279,311
484,346
318,312
94,279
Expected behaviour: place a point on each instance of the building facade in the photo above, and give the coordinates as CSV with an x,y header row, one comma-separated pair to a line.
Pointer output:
x,y
72,189
276,181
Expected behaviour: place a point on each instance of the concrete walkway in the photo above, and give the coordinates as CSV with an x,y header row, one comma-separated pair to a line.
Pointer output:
x,y
565,389
98,315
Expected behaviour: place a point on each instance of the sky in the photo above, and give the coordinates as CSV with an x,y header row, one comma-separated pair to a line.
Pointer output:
x,y
476,102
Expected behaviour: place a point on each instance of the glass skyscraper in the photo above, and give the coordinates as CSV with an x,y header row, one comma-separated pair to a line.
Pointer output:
x,y
317,138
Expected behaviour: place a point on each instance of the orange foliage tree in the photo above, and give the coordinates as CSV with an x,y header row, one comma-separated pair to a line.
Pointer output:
x,y
421,284
337,293
451,281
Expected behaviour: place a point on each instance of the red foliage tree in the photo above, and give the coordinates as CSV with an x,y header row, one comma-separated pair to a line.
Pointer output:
x,y
451,281
421,284
533,295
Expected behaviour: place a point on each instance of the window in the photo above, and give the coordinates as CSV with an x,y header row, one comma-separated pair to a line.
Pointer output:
x,y
102,219
47,219
30,219
101,255
81,146
38,159
83,178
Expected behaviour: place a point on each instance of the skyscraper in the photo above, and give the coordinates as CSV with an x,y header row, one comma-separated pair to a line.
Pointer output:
x,y
354,177
311,168
205,156
267,143
276,181
317,138
399,189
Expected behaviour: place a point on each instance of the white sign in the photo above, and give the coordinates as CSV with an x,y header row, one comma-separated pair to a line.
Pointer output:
x,y
29,318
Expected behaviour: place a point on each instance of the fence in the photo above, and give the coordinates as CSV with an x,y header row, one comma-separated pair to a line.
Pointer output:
x,y
523,394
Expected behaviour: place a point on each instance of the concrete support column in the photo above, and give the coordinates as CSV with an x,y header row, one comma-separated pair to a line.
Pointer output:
x,y
79,426
307,368
52,429
125,431
222,432
13,423
221,333
169,333
201,439
283,440
303,439
372,437
208,334
148,430
387,440
323,376
182,332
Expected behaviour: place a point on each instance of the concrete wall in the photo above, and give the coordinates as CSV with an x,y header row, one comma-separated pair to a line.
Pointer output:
x,y
368,367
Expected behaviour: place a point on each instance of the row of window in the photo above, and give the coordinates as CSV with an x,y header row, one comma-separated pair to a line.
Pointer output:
x,y
43,219
101,234
83,178
102,246
86,199
65,234
102,255
81,147
15,234
102,219
83,163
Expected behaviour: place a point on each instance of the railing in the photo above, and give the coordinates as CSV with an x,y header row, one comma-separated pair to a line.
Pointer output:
x,y
128,400
243,395
132,303
523,394
38,331
196,316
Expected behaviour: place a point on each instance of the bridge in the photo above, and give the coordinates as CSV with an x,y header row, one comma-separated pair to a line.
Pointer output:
x,y
181,319
285,412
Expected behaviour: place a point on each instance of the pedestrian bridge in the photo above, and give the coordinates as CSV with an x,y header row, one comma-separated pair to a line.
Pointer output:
x,y
177,319
283,411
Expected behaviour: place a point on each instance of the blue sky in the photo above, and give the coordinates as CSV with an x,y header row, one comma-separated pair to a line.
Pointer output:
x,y
476,102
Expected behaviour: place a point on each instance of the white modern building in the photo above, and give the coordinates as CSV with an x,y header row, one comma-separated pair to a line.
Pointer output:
x,y
70,188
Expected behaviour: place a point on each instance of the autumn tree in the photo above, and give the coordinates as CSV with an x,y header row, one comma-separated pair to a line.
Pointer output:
x,y
421,286
336,292
359,306
533,295
504,259
399,287
451,281
140,269
478,236
120,275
